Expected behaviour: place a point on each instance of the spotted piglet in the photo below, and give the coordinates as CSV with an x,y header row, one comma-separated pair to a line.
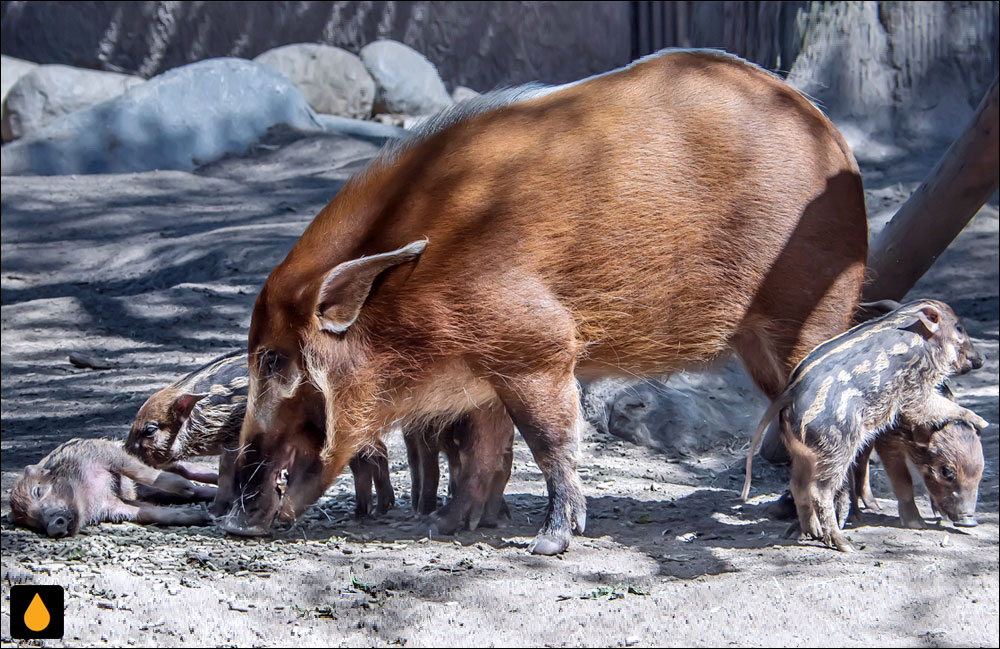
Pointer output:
x,y
851,388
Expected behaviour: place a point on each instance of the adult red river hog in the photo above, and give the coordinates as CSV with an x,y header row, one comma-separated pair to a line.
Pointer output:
x,y
643,221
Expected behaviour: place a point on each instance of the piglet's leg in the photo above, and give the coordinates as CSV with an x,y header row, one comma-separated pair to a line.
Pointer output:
x,y
894,461
938,409
162,480
192,472
142,513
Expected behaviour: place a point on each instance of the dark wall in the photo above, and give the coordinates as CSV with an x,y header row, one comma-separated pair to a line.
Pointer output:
x,y
477,44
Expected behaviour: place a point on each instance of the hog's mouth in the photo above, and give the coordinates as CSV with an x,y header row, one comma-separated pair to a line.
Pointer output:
x,y
254,514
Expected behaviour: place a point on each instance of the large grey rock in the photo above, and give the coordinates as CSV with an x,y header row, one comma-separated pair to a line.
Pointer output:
x,y
461,93
11,70
374,131
51,91
405,81
683,415
333,81
179,120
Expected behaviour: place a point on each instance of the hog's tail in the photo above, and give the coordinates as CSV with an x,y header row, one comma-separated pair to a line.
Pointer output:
x,y
769,414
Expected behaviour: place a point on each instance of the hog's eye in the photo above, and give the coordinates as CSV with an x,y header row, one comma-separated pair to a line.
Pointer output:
x,y
150,428
960,329
36,492
948,473
268,362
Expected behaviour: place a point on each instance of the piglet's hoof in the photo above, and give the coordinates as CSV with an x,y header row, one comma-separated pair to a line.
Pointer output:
x,y
549,544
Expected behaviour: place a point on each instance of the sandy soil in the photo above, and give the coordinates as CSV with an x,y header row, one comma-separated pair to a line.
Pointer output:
x,y
157,273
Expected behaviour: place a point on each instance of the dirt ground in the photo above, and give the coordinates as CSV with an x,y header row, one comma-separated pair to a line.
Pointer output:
x,y
157,273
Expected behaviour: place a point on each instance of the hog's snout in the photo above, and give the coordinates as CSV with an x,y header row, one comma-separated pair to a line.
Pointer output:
x,y
966,520
60,525
975,360
234,526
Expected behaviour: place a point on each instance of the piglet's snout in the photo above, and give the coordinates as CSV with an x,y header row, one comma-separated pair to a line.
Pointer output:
x,y
59,525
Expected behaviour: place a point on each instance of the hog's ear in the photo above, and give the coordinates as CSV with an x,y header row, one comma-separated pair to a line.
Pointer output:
x,y
346,287
926,322
33,470
184,404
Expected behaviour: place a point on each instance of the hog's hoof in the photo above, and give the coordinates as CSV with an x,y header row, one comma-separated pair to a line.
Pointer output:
x,y
230,526
838,542
912,523
549,544
444,522
793,531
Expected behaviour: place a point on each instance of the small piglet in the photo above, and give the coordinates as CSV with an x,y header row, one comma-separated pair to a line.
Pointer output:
x,y
202,413
475,462
853,387
949,461
85,481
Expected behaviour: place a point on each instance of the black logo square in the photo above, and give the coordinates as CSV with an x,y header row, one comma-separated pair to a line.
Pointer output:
x,y
37,612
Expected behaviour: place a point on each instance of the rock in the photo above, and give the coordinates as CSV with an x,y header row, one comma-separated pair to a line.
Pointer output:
x,y
913,74
333,81
51,91
369,130
681,416
405,81
11,70
652,414
461,93
179,120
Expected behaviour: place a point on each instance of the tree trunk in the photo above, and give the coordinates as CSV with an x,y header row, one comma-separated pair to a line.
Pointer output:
x,y
964,178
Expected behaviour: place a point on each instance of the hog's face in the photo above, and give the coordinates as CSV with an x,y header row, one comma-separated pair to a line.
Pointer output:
x,y
44,503
307,374
951,467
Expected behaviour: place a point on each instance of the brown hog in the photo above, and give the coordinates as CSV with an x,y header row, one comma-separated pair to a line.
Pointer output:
x,y
201,414
643,221
86,481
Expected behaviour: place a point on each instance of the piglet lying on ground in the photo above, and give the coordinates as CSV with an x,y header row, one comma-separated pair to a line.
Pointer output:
x,y
853,387
85,481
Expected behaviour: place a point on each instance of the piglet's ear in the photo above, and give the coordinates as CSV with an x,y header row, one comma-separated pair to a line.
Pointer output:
x,y
869,310
922,435
346,287
184,404
926,322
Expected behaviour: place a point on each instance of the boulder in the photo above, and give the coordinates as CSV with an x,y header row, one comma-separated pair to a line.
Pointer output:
x,y
461,93
405,81
179,120
51,91
683,415
333,81
11,70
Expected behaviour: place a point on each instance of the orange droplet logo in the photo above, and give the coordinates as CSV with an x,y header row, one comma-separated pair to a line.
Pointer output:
x,y
37,616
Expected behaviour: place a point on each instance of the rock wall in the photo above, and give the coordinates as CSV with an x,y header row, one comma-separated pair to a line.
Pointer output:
x,y
475,44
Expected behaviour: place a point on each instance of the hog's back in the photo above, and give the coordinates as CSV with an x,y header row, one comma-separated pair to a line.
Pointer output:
x,y
663,207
